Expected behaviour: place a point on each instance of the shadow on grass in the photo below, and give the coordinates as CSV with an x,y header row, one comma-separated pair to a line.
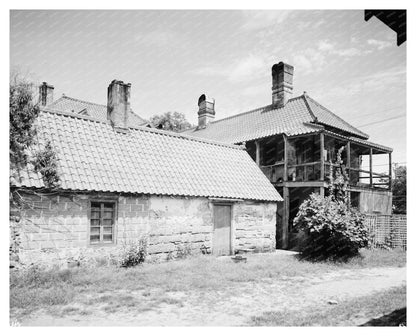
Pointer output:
x,y
365,258
394,319
339,260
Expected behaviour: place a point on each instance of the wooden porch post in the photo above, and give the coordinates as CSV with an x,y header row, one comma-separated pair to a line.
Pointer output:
x,y
257,152
349,158
371,167
286,204
322,177
390,171
285,158
285,219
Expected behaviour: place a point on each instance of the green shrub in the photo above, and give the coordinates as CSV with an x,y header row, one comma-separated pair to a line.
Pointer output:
x,y
133,253
333,230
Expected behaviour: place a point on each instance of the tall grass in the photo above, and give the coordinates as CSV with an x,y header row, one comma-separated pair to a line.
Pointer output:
x,y
34,288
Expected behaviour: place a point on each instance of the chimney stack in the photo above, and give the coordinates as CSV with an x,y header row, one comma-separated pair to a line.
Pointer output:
x,y
118,104
45,94
282,89
206,112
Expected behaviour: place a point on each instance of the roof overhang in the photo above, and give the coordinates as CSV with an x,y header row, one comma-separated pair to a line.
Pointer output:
x,y
361,142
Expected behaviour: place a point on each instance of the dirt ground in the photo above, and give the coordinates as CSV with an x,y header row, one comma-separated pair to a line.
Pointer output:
x,y
235,306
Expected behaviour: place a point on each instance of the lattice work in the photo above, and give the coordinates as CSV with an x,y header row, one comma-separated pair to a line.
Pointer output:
x,y
398,231
387,230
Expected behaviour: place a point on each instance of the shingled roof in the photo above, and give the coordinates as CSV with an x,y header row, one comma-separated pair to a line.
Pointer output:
x,y
300,115
68,104
92,156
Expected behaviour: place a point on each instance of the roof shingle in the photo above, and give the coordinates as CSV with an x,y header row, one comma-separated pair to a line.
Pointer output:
x,y
296,117
94,157
326,117
68,104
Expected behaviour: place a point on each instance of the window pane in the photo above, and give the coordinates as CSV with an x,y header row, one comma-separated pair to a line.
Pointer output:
x,y
95,231
95,214
107,222
108,229
94,239
108,206
95,205
95,222
108,214
108,237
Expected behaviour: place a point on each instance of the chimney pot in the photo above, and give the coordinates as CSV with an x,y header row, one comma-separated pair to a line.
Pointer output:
x,y
45,94
282,78
118,104
206,111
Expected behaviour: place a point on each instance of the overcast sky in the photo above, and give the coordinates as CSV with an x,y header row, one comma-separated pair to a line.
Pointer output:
x,y
350,66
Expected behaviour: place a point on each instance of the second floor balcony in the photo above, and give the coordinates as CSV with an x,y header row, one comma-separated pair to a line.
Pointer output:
x,y
308,158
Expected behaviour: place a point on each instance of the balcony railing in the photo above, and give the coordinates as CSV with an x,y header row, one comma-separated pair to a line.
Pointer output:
x,y
311,171
362,178
274,172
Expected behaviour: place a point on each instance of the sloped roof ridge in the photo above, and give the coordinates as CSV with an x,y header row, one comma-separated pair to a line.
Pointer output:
x,y
74,115
50,106
262,109
242,113
84,101
314,117
145,129
327,110
91,103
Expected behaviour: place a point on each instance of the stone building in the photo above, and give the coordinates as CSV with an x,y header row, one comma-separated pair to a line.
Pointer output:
x,y
294,141
120,181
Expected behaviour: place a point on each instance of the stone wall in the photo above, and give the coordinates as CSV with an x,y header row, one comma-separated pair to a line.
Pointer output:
x,y
55,228
255,226
179,223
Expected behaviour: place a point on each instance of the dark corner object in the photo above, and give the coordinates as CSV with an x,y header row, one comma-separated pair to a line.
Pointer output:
x,y
395,19
396,318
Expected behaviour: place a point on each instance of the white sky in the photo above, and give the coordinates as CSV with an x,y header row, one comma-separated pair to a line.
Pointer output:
x,y
351,66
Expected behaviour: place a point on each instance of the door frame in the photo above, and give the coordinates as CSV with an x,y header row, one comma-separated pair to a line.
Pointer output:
x,y
218,202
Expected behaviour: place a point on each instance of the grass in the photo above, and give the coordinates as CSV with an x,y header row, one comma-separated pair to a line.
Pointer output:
x,y
36,288
346,313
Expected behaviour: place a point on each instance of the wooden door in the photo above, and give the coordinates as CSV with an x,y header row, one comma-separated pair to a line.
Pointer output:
x,y
222,230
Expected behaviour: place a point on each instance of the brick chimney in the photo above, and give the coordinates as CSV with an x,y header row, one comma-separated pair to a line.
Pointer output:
x,y
206,112
118,104
282,89
45,94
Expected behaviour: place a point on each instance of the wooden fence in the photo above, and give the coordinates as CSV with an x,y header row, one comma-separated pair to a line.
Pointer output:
x,y
387,230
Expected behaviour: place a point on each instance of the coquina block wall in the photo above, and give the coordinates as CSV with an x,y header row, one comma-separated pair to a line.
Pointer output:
x,y
56,228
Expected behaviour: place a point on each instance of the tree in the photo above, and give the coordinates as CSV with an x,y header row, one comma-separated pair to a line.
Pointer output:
x,y
22,114
399,190
171,121
23,139
23,135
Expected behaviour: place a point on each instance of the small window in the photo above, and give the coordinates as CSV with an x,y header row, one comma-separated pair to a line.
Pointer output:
x,y
102,222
